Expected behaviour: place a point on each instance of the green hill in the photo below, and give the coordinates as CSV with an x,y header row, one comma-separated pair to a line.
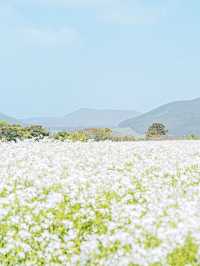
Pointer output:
x,y
180,118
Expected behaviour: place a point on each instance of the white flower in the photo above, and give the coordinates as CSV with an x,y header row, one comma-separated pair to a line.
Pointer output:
x,y
70,203
21,255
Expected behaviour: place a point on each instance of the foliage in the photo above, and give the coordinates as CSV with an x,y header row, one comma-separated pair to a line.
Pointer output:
x,y
63,135
192,137
156,130
78,136
99,134
17,132
13,133
37,132
123,138
185,255
73,136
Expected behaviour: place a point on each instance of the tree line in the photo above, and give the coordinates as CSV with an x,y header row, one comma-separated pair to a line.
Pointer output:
x,y
8,132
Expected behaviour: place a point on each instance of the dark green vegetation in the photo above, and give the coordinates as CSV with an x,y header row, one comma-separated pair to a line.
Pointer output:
x,y
96,134
72,136
16,132
181,118
156,131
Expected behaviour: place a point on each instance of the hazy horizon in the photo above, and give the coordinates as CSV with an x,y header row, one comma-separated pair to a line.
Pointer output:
x,y
60,56
98,109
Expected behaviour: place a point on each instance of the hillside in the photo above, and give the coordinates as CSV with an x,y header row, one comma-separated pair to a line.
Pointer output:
x,y
84,118
8,119
181,118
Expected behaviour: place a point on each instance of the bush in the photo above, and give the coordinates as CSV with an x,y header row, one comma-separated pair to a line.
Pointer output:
x,y
12,132
73,136
37,132
79,136
62,136
99,134
123,138
96,134
17,132
192,137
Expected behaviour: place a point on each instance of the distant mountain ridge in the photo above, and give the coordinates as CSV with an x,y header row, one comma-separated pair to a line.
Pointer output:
x,y
9,119
180,117
84,118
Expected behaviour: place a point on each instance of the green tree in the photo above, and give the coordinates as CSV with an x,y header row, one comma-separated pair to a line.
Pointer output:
x,y
99,134
17,132
156,130
37,132
73,136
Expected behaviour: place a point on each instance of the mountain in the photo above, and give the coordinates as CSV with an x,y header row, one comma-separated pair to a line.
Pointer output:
x,y
180,118
8,119
84,118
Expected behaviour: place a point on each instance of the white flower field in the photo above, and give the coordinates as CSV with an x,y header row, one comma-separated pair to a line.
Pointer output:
x,y
100,203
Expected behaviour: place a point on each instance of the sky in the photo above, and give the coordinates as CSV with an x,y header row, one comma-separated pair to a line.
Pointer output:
x,y
57,56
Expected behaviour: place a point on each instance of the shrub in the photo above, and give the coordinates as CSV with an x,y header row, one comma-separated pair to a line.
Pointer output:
x,y
17,132
78,136
63,135
12,132
99,134
96,134
192,137
73,136
123,138
37,132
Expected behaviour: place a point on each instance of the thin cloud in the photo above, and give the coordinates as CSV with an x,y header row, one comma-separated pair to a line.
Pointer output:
x,y
15,31
14,40
67,3
136,12
137,15
14,28
111,11
48,37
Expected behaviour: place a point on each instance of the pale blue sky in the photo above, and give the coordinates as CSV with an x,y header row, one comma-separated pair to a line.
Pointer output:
x,y
60,55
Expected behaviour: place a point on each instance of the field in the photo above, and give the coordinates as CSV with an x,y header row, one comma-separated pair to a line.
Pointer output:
x,y
87,204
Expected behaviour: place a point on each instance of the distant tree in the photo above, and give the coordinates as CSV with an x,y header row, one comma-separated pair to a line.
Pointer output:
x,y
37,132
99,134
10,132
156,130
62,136
122,138
192,137
72,136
